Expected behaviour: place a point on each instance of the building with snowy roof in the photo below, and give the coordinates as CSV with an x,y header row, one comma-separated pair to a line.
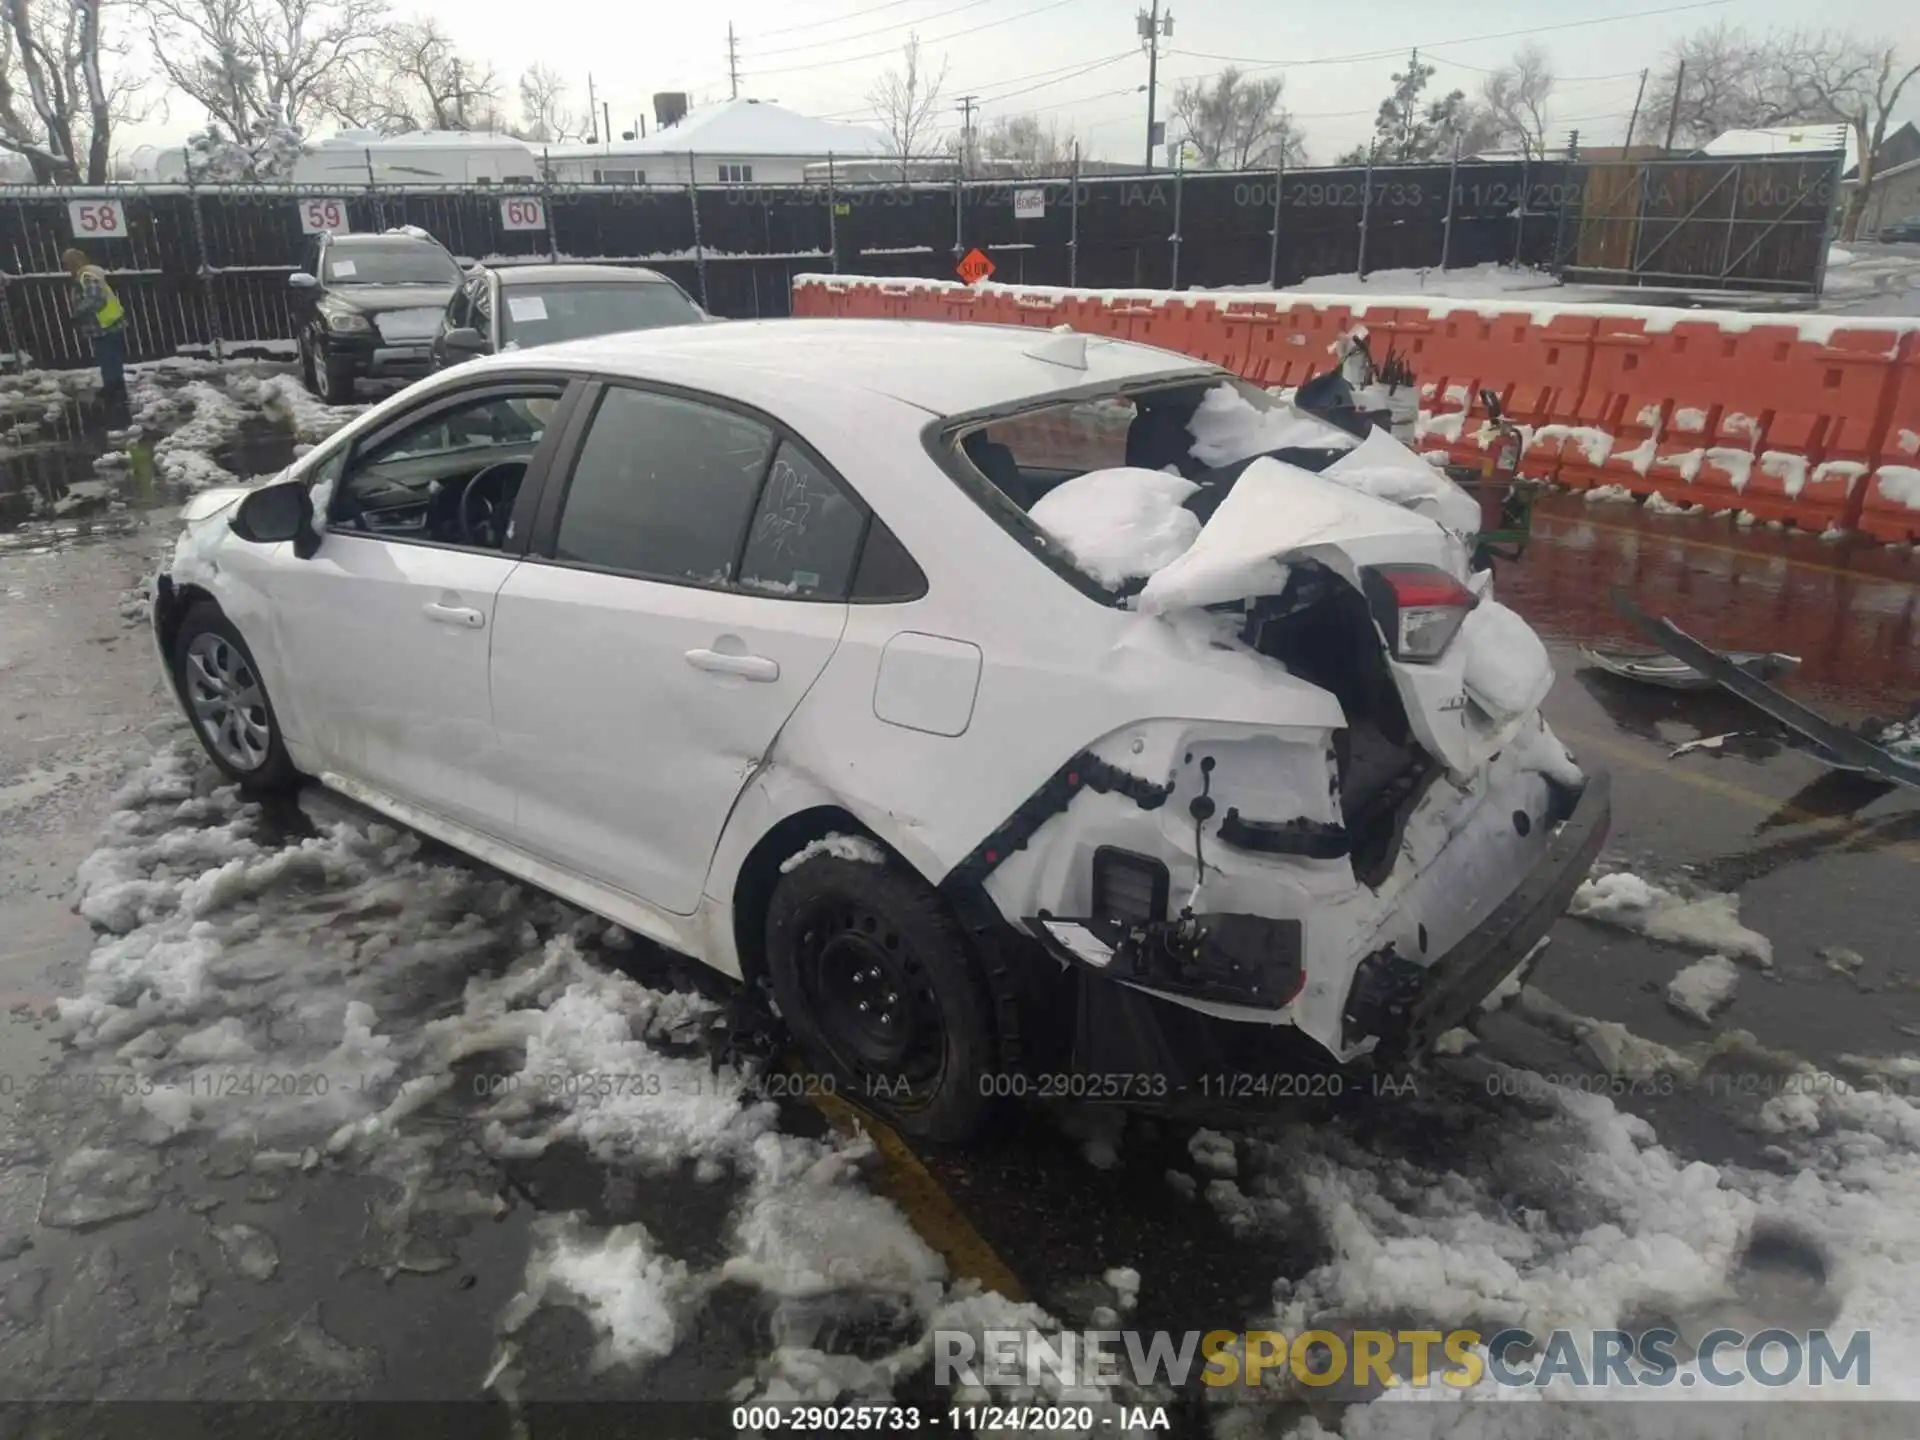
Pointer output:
x,y
736,142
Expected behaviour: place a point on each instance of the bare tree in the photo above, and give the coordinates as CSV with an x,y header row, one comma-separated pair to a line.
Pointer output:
x,y
1727,80
1023,145
58,102
1858,82
1515,98
905,100
413,78
543,112
1236,123
260,68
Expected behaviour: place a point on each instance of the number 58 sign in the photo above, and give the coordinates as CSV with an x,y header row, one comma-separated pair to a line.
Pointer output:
x,y
322,216
97,219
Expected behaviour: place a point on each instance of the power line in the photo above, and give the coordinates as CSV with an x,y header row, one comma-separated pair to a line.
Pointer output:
x,y
1261,63
1062,79
839,19
877,30
934,40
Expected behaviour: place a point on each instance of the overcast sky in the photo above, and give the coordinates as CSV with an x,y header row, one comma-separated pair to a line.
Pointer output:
x,y
1079,61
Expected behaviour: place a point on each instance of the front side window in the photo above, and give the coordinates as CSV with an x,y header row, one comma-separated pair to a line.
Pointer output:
x,y
806,532
544,314
390,262
663,488
450,478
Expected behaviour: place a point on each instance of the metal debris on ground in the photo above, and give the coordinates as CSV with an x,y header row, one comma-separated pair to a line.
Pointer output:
x,y
1889,750
1657,667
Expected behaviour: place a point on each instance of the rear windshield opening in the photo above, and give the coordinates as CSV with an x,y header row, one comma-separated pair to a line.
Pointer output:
x,y
1194,429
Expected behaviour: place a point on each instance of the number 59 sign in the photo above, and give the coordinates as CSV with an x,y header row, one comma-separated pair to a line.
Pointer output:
x,y
97,219
522,212
322,216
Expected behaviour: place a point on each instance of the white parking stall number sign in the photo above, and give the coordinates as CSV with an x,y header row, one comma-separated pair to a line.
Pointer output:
x,y
324,215
97,219
523,212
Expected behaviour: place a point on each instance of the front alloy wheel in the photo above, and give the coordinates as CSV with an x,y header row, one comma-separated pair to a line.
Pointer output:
x,y
227,701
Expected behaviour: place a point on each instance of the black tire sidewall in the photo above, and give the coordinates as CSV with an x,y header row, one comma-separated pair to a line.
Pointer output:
x,y
277,772
958,1109
336,377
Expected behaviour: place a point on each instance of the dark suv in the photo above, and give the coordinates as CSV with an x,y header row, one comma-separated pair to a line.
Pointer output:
x,y
516,307
373,304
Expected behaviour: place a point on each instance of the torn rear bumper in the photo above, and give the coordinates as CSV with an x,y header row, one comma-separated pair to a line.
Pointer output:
x,y
1407,1006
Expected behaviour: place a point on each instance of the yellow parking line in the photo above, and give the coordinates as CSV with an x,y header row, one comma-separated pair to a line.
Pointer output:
x,y
932,1211
1730,790
1723,548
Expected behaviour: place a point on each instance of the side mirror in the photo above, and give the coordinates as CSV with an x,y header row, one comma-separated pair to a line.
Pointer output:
x,y
275,513
301,280
465,341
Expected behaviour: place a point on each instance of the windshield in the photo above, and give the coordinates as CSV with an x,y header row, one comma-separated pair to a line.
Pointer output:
x,y
398,262
543,314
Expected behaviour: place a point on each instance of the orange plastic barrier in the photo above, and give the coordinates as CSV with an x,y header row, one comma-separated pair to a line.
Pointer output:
x,y
1798,421
1537,371
1889,498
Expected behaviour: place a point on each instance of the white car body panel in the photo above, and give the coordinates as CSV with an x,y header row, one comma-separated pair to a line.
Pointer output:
x,y
627,755
567,738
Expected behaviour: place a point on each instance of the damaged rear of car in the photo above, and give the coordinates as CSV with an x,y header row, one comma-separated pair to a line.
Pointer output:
x,y
1360,865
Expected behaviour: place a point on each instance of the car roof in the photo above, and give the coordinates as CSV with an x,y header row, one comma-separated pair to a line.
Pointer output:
x,y
384,237
944,369
537,273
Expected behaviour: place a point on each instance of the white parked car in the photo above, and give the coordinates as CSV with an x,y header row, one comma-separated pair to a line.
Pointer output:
x,y
999,700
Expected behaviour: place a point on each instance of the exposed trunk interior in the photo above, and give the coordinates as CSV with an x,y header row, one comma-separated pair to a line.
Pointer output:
x,y
1319,627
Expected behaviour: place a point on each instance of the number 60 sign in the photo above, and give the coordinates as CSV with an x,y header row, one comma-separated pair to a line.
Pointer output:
x,y
323,216
97,219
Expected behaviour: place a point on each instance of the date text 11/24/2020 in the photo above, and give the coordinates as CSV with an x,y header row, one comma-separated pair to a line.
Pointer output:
x,y
957,1420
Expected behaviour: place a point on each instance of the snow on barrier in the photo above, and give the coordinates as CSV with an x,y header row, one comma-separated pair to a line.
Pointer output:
x,y
1813,420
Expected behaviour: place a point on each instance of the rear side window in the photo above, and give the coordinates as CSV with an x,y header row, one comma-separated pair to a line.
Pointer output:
x,y
663,488
806,532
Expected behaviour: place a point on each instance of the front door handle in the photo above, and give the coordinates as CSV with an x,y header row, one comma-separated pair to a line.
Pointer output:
x,y
751,667
461,615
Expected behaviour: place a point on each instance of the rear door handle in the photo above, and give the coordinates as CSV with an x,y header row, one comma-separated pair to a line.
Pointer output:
x,y
461,615
751,667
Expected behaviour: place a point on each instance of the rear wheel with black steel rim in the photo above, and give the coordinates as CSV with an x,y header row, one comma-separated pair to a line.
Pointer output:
x,y
876,983
227,702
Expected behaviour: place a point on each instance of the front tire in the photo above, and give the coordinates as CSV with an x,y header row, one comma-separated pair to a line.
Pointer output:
x,y
227,702
875,981
309,376
339,386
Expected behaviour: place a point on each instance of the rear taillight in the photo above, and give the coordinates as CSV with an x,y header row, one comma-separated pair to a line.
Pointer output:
x,y
1418,608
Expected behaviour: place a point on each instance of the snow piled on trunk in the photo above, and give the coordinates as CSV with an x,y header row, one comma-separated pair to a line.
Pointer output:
x,y
230,947
1121,524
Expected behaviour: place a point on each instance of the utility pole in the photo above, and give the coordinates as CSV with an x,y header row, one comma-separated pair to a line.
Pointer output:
x,y
459,99
965,107
1673,111
593,108
1634,118
733,62
1152,25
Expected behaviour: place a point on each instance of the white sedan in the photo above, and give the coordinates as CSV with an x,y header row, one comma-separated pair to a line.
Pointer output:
x,y
1006,704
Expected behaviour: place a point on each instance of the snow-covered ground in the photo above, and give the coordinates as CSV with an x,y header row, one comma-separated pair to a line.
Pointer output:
x,y
1863,279
396,989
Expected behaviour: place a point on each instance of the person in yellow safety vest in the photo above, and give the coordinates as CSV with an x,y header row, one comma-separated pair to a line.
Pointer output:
x,y
99,314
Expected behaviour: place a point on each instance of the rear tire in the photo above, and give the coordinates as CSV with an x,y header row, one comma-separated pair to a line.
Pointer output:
x,y
874,979
227,703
